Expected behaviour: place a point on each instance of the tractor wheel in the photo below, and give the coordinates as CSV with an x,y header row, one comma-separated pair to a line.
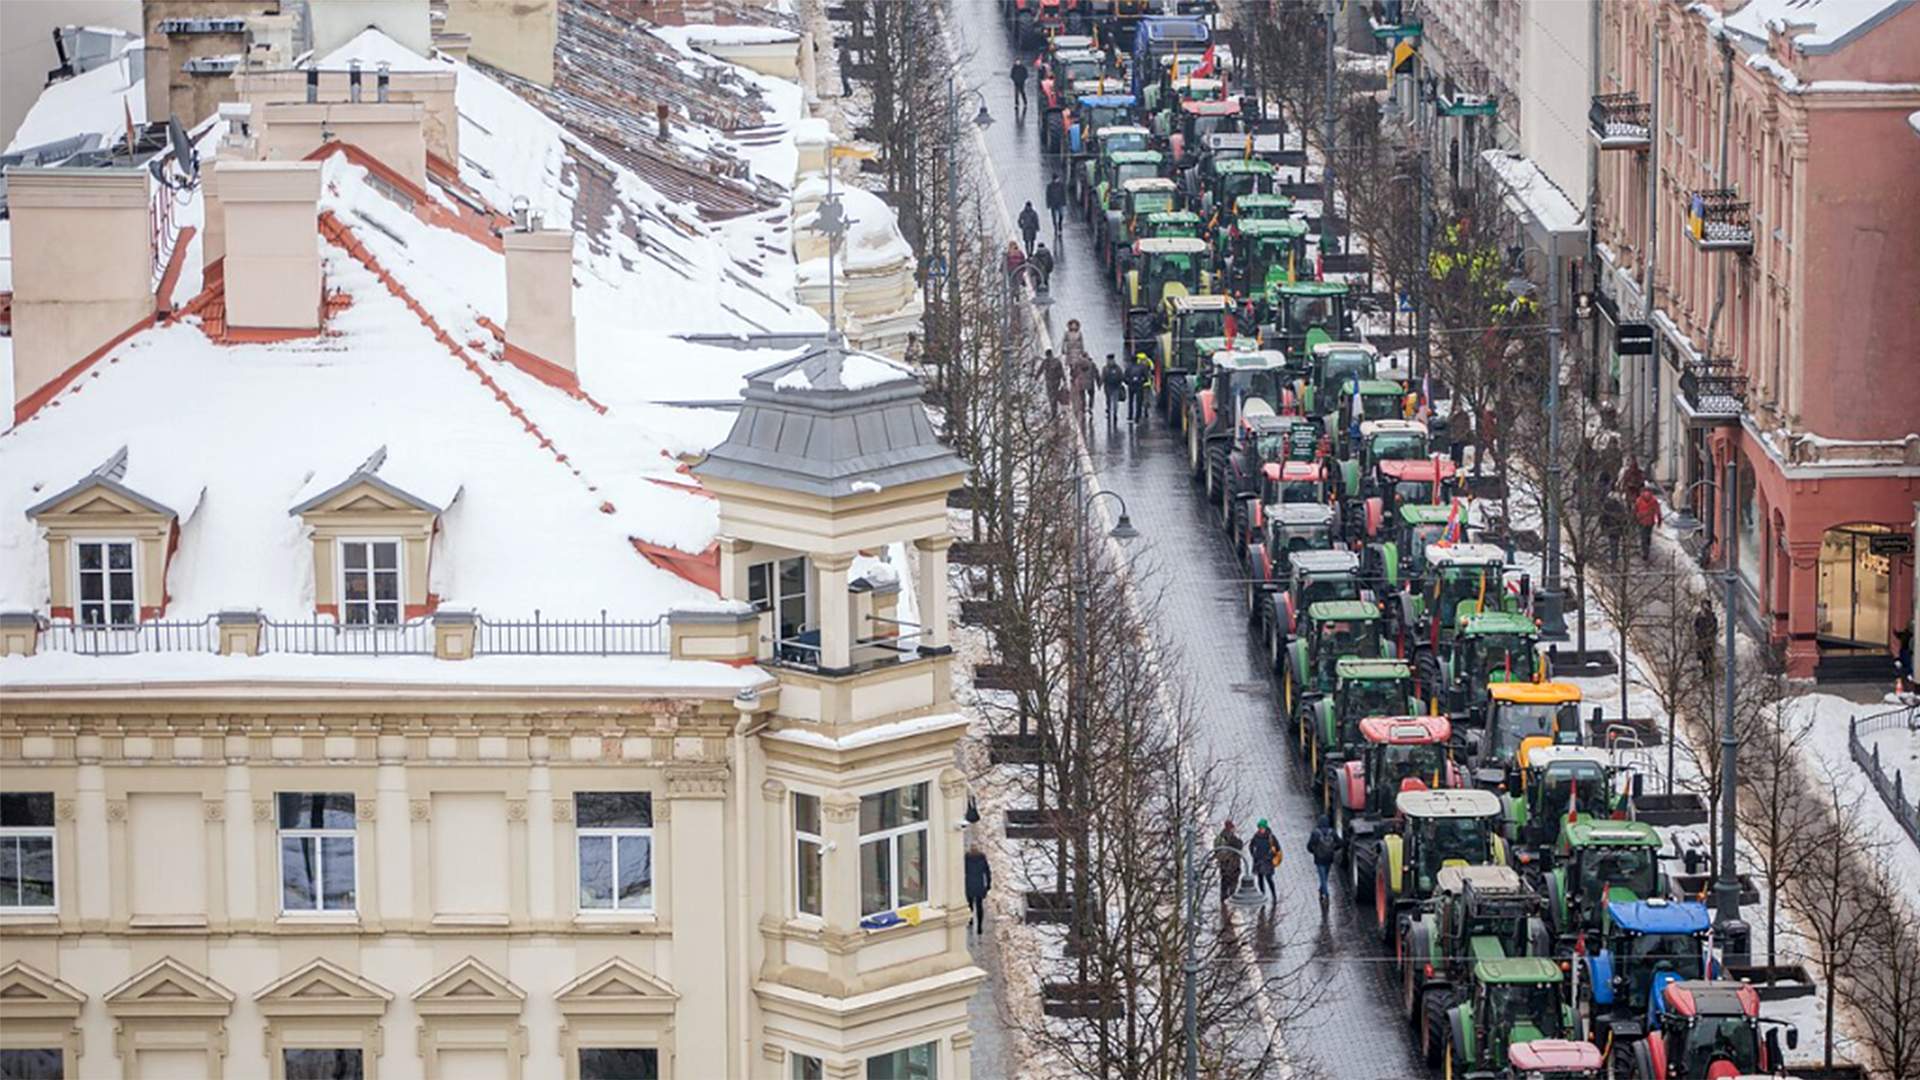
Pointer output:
x,y
1253,603
1228,508
1382,903
1286,693
1426,673
1362,879
1643,1062
1276,647
1195,462
1313,756
1410,987
1433,1024
1326,792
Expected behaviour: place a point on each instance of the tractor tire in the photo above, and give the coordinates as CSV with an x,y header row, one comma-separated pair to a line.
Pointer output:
x,y
1253,603
1432,1027
1276,649
1227,504
1426,674
1643,1062
1383,910
1361,879
1196,461
1216,471
1412,989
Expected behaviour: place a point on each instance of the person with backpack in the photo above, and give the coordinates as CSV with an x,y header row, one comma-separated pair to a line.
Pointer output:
x,y
1029,226
1137,375
1057,202
979,879
1226,854
1055,375
1264,850
1043,261
1115,383
1019,77
1324,846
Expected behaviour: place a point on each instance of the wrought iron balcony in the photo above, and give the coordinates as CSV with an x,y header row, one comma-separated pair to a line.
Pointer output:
x,y
1719,221
1713,391
1621,121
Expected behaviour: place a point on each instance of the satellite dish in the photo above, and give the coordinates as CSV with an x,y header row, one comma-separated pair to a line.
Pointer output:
x,y
184,154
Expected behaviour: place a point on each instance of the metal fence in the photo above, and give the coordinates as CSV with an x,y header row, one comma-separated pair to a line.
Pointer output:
x,y
324,637
147,637
543,637
1891,786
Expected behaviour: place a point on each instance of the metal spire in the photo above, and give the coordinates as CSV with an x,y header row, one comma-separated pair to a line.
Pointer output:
x,y
831,222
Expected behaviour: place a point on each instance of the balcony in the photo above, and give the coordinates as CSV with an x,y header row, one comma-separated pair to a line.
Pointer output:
x,y
1713,392
261,636
1719,221
1620,122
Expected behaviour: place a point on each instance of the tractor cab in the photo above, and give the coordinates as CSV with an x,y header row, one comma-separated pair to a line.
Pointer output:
x,y
1395,754
1553,1059
1188,319
1116,167
1224,180
1199,123
1309,313
1643,946
1295,531
1330,630
1256,473
1439,827
1461,579
1387,438
1084,175
1090,106
1397,562
1362,687
1291,480
1262,207
1476,915
1712,1030
1267,252
1077,66
1236,382
1169,223
1398,482
1597,863
1490,647
1514,1002
1314,576
1522,718
1332,368
1167,267
1130,210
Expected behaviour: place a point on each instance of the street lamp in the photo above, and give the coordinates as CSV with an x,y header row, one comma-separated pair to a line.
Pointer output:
x,y
1547,602
982,119
1246,895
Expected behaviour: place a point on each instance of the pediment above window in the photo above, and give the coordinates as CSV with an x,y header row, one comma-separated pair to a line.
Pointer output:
x,y
322,988
616,988
378,485
117,489
168,988
27,993
466,988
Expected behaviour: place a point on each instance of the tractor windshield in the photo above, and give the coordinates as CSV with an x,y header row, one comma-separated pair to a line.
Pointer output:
x,y
1081,70
1340,637
1203,324
1152,202
1235,184
1294,491
1478,586
1136,170
1425,762
1395,445
1418,537
1508,657
1206,126
1175,268
1330,588
1265,385
1307,537
1517,722
1413,491
1678,953
1461,838
1343,366
1630,868
1380,406
1129,140
1535,1005
1375,697
1713,1040
1099,116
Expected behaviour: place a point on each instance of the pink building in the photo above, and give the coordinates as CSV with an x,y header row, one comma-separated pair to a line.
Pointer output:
x,y
1785,289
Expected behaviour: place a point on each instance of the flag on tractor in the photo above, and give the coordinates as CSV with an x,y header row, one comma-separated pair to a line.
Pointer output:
x,y
1451,534
1206,64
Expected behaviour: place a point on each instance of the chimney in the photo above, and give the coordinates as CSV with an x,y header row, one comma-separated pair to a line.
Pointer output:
x,y
82,270
273,247
313,85
540,304
353,80
380,87
661,112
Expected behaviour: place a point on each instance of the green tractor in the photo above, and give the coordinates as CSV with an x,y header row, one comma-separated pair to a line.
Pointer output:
x,y
1113,169
1189,320
1476,914
1332,368
1439,827
1263,207
1133,205
1308,313
1512,1002
1221,181
1597,863
1165,268
1161,224
1487,648
1395,564
1385,439
1236,383
1331,629
1266,252
1362,687
1459,579
1083,174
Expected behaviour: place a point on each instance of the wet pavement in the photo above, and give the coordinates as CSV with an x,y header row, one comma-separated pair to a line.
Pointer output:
x,y
1195,588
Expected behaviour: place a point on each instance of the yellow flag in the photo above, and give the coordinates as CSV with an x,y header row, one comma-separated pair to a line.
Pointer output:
x,y
848,150
1402,53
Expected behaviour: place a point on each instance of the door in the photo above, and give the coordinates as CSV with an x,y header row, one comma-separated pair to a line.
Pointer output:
x,y
1854,601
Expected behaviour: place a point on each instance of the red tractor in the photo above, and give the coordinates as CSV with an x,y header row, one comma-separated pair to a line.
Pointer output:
x,y
1711,1030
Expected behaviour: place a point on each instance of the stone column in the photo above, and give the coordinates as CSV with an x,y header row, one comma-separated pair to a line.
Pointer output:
x,y
541,841
840,879
96,884
393,823
930,592
698,855
242,898
1803,651
836,610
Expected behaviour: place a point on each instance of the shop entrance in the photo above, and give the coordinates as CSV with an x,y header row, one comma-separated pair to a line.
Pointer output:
x,y
1855,601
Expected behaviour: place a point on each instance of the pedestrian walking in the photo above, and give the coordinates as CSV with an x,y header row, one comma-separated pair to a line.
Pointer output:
x,y
1137,373
1015,258
1264,852
1646,514
1631,478
1019,77
979,879
1042,261
1706,631
1029,225
1226,853
1081,373
1057,202
1115,382
1906,677
1613,522
1072,343
1324,846
1055,375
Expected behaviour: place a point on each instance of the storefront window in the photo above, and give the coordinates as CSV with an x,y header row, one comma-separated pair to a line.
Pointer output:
x,y
1855,594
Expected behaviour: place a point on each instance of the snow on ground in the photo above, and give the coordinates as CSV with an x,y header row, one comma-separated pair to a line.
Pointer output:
x,y
1899,751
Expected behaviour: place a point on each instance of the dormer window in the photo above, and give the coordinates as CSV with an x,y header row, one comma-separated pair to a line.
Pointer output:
x,y
370,592
105,584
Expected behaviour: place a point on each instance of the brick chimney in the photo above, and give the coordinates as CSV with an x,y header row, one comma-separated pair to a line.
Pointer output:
x,y
82,270
273,243
540,304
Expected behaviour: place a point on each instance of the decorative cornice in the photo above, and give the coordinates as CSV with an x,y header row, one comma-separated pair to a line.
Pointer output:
x,y
840,807
214,809
420,809
773,791
697,781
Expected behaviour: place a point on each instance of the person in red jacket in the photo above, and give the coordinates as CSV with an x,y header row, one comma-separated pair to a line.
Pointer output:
x,y
1646,514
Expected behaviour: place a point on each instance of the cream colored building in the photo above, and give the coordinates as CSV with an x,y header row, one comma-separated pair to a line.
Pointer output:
x,y
296,778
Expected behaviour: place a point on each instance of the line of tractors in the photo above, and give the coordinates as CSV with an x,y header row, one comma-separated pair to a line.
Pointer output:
x,y
1525,908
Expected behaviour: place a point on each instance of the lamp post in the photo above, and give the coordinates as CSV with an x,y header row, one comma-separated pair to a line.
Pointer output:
x,y
1547,602
1726,883
1246,896
1122,531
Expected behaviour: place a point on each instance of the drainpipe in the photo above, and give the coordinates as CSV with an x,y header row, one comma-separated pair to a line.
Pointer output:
x,y
1651,380
1720,267
748,724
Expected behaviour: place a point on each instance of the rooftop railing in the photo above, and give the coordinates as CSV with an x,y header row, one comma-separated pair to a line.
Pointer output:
x,y
536,636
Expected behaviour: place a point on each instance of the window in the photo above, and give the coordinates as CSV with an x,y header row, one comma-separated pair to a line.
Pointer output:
x,y
26,852
615,831
34,1064
893,849
781,587
106,592
620,1064
809,849
370,582
808,1067
912,1063
317,870
307,1064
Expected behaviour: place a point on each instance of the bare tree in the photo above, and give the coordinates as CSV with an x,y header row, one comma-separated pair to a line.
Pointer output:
x,y
1882,988
1775,816
1836,910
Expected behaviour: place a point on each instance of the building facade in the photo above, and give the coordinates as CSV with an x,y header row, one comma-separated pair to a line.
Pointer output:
x,y
296,778
1762,187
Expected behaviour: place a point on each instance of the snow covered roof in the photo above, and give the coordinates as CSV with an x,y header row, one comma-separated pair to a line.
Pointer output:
x,y
1825,25
1539,199
429,484
372,47
831,422
96,103
160,490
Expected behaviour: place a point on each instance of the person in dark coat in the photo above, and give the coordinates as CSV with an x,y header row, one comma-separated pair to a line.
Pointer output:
x,y
1080,370
1057,201
1043,261
1226,849
1324,846
1115,383
1029,226
1646,514
1264,850
1019,77
1706,630
979,880
1137,375
1055,375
